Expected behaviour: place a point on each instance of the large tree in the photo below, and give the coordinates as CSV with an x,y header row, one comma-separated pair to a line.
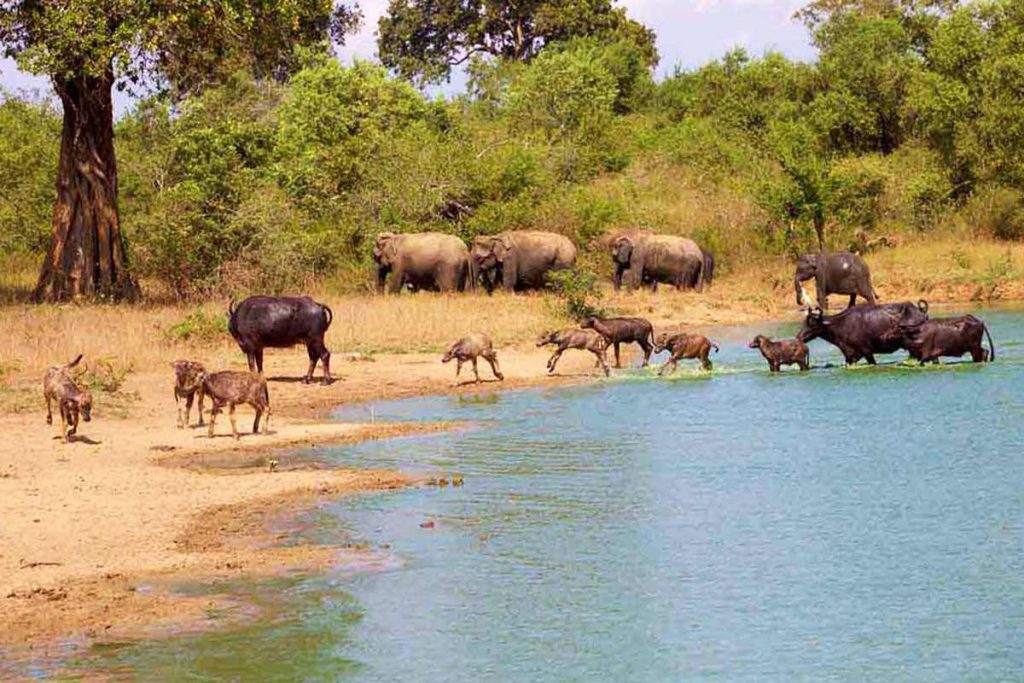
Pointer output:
x,y
87,47
424,39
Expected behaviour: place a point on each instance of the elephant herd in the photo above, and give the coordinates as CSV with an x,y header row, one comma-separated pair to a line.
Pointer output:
x,y
521,260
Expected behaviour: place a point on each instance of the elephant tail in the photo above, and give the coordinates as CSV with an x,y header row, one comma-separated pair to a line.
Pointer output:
x,y
708,271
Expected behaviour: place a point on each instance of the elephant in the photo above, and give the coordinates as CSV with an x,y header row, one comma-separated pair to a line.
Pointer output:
x,y
842,273
519,260
432,261
651,259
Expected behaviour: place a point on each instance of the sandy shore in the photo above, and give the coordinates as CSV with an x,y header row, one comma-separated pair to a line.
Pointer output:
x,y
134,501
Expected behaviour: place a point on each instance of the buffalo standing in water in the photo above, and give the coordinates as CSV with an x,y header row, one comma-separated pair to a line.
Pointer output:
x,y
931,339
863,331
262,322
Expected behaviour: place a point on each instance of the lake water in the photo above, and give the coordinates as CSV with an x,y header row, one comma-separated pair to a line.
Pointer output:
x,y
861,524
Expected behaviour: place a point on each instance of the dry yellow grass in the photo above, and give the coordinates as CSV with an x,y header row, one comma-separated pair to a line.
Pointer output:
x,y
135,337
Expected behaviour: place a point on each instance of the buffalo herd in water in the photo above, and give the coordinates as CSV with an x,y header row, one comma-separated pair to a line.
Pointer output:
x,y
520,261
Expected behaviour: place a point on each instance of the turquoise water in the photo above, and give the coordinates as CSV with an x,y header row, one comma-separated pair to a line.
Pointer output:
x,y
852,525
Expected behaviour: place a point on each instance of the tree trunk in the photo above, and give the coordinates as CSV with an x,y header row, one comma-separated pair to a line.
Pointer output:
x,y
86,257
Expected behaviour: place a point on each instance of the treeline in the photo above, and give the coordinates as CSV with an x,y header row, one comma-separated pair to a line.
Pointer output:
x,y
909,120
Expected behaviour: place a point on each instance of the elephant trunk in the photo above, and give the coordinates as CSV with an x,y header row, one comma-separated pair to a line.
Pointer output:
x,y
799,292
382,278
617,277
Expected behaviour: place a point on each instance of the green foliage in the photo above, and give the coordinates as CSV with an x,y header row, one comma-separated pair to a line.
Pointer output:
x,y
106,375
564,95
997,211
197,326
855,189
424,40
28,159
578,292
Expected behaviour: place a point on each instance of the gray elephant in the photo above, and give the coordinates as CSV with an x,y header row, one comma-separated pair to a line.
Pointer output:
x,y
837,272
519,260
432,261
651,259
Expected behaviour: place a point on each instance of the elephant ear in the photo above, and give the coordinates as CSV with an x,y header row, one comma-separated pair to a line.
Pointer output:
x,y
390,247
636,263
502,247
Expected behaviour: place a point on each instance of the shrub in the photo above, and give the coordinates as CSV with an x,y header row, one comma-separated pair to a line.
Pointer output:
x,y
578,292
997,211
197,326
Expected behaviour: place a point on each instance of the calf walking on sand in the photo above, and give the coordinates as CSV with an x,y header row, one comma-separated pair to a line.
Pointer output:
x,y
469,348
233,387
72,401
779,353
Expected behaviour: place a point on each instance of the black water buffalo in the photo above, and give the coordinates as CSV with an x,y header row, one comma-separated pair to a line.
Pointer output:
x,y
929,340
862,331
262,322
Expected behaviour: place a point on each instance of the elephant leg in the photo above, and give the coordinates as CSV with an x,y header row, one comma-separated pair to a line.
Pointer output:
x,y
495,368
476,372
618,363
397,281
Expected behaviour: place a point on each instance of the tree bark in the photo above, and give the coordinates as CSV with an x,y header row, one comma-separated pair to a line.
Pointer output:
x,y
86,257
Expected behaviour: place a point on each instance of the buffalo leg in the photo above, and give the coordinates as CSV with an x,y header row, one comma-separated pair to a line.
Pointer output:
x,y
871,359
256,422
314,355
234,425
646,346
602,362
49,411
325,359
618,364
458,368
214,410
258,354
495,368
705,362
553,361
188,411
476,372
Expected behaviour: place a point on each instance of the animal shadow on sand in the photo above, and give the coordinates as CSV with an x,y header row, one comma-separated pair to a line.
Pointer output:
x,y
298,380
81,438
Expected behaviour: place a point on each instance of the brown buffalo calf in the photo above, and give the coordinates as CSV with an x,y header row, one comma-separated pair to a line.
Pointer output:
x,y
233,387
931,339
469,348
188,381
575,338
779,353
72,401
683,346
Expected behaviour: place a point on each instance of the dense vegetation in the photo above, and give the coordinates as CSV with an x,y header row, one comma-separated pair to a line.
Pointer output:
x,y
909,121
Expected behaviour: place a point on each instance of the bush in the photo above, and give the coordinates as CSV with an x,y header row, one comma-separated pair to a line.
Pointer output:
x,y
997,211
578,293
29,148
197,326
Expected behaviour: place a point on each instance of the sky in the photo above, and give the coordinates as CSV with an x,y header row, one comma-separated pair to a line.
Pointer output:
x,y
690,33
